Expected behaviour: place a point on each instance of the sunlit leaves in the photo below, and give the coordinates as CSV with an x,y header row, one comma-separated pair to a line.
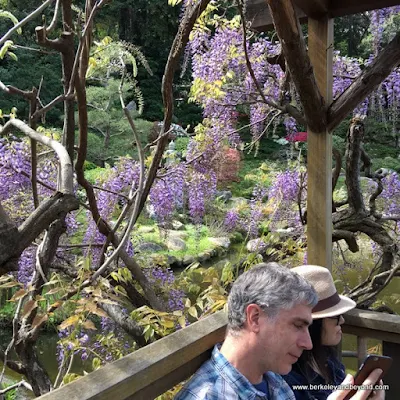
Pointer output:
x,y
73,320
8,44
71,377
89,325
122,275
202,88
7,14
173,3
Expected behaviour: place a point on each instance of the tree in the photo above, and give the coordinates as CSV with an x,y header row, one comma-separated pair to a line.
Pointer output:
x,y
48,213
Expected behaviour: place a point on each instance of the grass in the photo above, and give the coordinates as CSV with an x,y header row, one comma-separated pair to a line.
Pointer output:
x,y
97,174
197,241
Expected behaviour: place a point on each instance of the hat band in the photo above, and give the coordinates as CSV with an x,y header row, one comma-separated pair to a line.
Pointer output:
x,y
327,303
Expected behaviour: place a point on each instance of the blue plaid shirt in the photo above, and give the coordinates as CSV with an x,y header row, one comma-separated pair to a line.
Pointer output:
x,y
300,378
217,379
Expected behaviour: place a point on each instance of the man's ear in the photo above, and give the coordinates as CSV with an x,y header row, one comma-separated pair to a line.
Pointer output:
x,y
253,314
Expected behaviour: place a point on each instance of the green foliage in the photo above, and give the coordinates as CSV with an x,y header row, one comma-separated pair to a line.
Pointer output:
x,y
14,20
135,22
181,144
187,114
98,175
205,295
173,3
390,28
196,242
7,311
87,166
117,58
8,44
387,162
342,128
23,76
339,143
380,150
11,394
377,130
253,172
349,32
110,134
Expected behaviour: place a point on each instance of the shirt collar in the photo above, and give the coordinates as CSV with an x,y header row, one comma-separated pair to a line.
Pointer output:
x,y
242,385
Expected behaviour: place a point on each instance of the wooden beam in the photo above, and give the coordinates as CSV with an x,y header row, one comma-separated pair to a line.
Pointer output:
x,y
373,320
319,159
313,8
339,8
258,14
371,333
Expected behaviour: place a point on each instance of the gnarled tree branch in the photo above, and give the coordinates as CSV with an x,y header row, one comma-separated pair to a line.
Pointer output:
x,y
365,84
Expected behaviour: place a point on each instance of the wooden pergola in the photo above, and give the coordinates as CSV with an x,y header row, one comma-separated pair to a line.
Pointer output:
x,y
311,72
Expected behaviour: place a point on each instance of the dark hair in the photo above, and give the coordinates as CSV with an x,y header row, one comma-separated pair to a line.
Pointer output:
x,y
317,356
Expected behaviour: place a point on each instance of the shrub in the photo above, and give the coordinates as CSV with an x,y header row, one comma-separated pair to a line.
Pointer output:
x,y
228,165
387,162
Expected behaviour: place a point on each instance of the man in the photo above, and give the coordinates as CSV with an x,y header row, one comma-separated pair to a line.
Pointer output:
x,y
269,311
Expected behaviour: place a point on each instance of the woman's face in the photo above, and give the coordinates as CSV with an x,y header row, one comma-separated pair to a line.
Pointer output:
x,y
332,331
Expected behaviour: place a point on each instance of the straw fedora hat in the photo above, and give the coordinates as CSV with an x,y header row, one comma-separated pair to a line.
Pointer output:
x,y
330,303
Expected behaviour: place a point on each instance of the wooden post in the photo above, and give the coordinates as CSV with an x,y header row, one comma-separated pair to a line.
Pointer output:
x,y
319,168
392,376
361,349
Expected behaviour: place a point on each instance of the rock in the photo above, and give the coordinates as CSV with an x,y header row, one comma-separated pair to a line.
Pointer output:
x,y
176,244
203,257
382,172
238,201
285,233
179,234
220,241
171,260
146,229
221,264
224,195
213,252
150,211
149,247
188,260
177,225
256,245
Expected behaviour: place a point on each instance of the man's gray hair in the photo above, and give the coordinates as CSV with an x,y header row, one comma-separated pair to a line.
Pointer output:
x,y
272,287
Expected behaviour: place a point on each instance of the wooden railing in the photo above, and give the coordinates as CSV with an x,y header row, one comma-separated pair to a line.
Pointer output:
x,y
154,369
385,328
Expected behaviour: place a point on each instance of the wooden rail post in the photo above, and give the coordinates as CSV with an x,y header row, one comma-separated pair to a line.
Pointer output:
x,y
319,168
361,349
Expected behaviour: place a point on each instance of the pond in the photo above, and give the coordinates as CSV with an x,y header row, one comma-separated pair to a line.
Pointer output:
x,y
47,350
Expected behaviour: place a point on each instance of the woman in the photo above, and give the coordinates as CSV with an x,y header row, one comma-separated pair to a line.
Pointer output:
x,y
320,366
